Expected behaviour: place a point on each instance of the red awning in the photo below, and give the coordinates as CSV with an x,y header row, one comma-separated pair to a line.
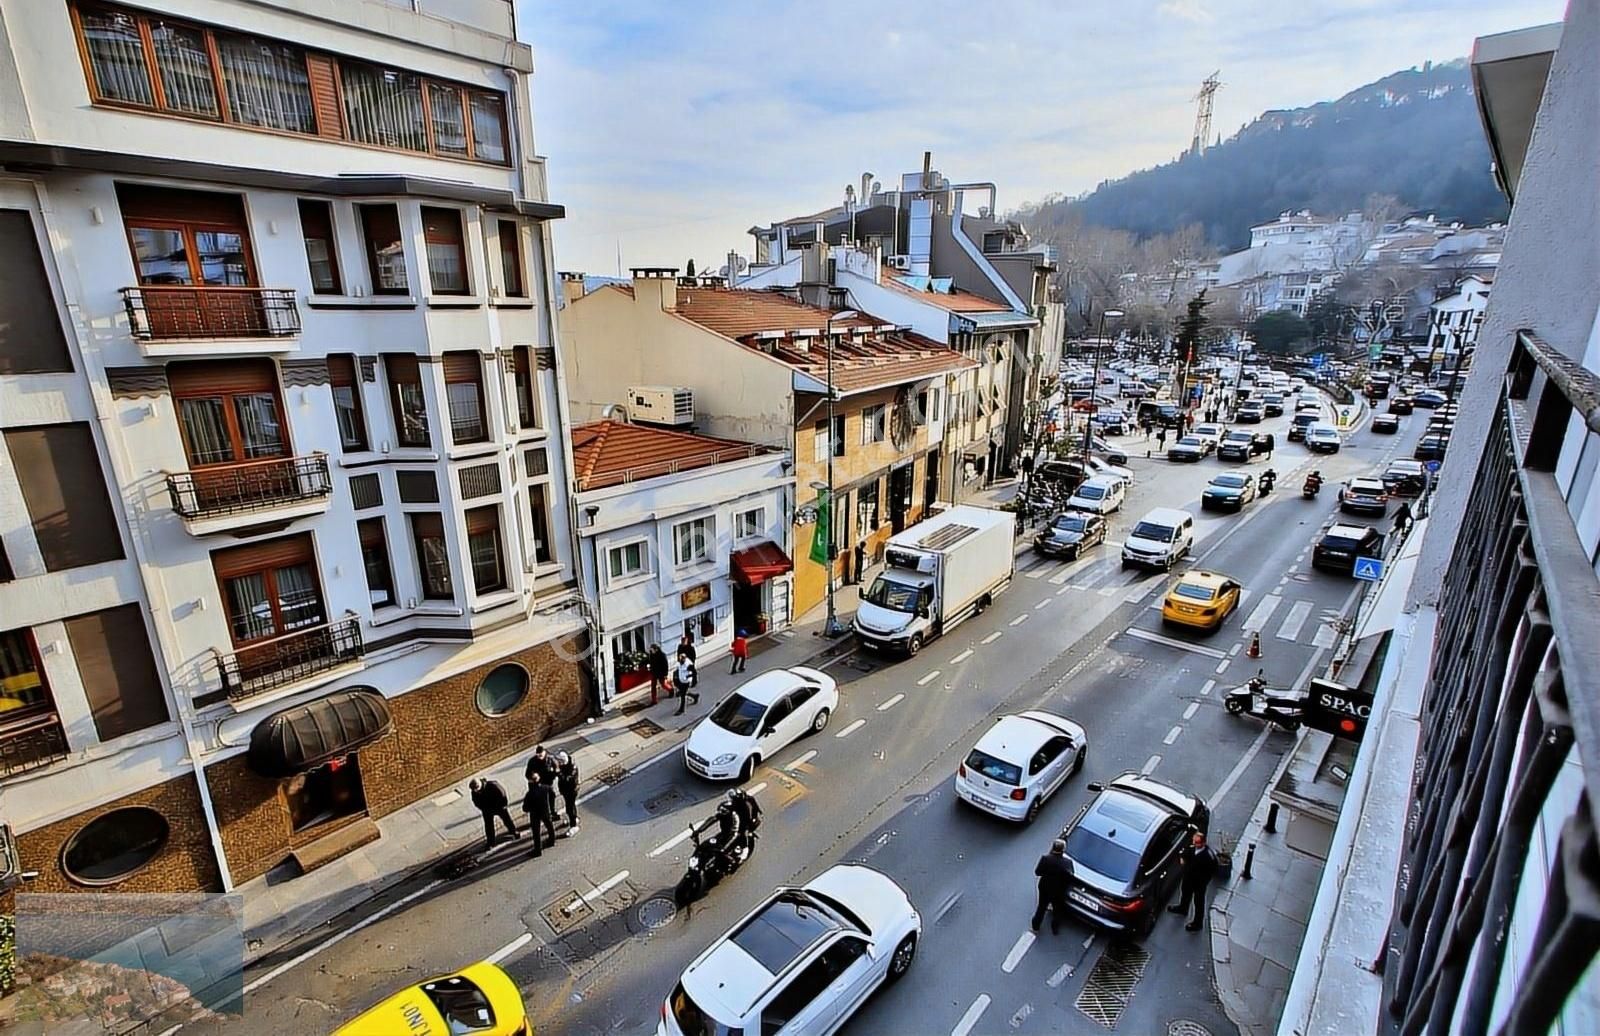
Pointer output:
x,y
760,563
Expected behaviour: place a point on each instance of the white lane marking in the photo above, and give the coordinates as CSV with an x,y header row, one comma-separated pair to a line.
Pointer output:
x,y
1205,688
1063,590
596,892
658,757
757,789
970,1019
1193,708
1258,618
1295,621
1172,735
891,703
926,680
1038,573
294,962
1222,667
961,657
1061,576
1245,595
1018,950
1150,764
169,1032
802,760
1061,975
1181,645
1239,768
668,844
1020,619
1044,602
509,948
1325,637
852,728
991,638
1088,941
1233,652
1108,591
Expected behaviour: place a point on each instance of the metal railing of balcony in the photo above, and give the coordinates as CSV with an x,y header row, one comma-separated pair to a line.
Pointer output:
x,y
640,472
1514,697
31,742
270,664
225,489
175,312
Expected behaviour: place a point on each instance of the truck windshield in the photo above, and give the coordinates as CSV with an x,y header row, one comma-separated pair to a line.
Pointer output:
x,y
898,597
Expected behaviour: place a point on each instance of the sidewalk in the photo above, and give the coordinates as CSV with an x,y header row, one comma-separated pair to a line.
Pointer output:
x,y
430,834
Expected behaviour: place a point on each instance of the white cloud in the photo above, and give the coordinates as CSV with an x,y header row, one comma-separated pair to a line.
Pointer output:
x,y
1186,10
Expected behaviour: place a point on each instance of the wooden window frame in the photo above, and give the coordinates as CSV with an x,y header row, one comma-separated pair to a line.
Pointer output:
x,y
481,520
344,371
188,228
372,252
230,416
459,243
513,288
226,569
333,244
421,523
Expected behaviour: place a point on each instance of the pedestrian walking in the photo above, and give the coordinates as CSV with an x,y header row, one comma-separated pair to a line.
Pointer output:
x,y
684,678
567,785
1054,872
740,652
659,667
491,801
542,764
1148,426
686,650
1161,438
540,805
1402,520
1201,867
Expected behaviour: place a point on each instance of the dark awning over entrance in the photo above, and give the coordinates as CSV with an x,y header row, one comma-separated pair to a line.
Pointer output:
x,y
760,563
303,738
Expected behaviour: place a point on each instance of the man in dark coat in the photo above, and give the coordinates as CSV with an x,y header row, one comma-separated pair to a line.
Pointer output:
x,y
567,785
543,764
540,805
659,667
491,801
1054,872
1200,868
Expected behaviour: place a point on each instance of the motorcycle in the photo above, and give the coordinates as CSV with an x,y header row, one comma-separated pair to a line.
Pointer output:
x,y
1269,478
1312,487
711,861
1283,707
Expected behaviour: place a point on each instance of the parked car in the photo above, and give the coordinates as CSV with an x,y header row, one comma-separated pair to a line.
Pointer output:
x,y
1250,413
756,721
1298,426
1401,405
1385,424
1019,762
1070,534
1342,544
1430,398
1111,421
1099,495
1124,848
1229,491
1188,448
803,961
480,999
1364,496
1404,478
1431,447
1101,468
1323,438
1201,600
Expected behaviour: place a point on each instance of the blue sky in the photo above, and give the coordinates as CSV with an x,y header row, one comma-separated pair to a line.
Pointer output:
x,y
672,127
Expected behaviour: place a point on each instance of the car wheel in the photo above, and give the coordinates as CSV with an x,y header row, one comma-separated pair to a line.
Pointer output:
x,y
748,770
904,954
914,645
1033,810
982,605
819,722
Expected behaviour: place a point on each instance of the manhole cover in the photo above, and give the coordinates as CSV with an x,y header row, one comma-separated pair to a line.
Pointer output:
x,y
611,775
646,727
659,912
1185,1027
661,803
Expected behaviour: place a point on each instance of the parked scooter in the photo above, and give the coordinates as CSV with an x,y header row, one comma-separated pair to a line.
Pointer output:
x,y
1284,707
713,858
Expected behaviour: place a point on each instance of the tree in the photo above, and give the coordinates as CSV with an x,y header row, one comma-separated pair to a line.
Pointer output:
x,y
1280,331
1328,317
688,270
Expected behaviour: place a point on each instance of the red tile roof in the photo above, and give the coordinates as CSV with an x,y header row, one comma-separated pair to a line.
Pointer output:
x,y
957,301
737,313
611,453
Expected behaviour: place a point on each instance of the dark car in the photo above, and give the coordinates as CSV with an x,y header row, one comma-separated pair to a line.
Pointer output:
x,y
1061,477
1070,534
1124,850
1229,491
1385,424
1405,478
1298,426
1241,445
1401,405
1431,447
1342,544
1429,399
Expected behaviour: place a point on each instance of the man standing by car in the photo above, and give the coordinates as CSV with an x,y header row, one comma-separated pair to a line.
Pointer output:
x,y
1200,868
1402,520
1054,872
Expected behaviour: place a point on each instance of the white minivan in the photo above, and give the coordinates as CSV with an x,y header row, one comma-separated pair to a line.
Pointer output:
x,y
1099,495
1160,540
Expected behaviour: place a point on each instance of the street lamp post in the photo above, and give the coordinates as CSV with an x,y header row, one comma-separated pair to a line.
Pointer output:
x,y
832,627
1094,389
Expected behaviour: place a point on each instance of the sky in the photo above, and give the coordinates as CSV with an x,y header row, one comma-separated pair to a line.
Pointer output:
x,y
672,128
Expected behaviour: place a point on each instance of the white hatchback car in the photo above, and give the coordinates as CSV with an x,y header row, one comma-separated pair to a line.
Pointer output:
x,y
1019,763
801,963
758,719
1098,495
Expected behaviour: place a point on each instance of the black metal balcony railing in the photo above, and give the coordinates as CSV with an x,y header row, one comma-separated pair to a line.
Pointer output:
x,y
224,489
1514,698
281,661
31,742
166,312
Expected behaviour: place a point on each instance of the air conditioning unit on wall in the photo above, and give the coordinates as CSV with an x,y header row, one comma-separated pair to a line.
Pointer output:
x,y
900,262
661,404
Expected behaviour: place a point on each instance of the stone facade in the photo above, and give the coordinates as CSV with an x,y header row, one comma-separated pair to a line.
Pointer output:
x,y
439,738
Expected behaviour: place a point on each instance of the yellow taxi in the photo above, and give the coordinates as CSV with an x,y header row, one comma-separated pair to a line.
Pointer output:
x,y
1201,600
480,999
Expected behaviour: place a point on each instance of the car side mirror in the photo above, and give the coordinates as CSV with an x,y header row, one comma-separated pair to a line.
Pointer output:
x,y
768,729
1096,786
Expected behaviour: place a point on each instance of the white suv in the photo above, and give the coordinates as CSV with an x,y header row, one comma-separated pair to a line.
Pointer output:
x,y
800,963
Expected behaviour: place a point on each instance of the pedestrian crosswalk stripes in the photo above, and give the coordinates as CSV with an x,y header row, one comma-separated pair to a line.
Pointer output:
x,y
1263,612
1295,621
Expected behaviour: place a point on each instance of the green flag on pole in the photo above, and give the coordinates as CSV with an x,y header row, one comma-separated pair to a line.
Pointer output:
x,y
823,533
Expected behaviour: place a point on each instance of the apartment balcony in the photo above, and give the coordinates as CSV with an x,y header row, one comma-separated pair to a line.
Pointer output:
x,y
270,665
170,320
226,498
30,742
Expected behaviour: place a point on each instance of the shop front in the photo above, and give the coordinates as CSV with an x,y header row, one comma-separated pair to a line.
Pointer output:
x,y
756,571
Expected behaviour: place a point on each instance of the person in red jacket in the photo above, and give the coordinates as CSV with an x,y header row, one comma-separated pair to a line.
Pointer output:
x,y
741,652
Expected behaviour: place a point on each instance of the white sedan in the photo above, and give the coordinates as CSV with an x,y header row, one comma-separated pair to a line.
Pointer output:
x,y
1020,762
760,718
1105,469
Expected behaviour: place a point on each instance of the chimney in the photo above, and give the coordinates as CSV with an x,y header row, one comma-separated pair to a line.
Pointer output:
x,y
656,286
927,170
733,268
571,286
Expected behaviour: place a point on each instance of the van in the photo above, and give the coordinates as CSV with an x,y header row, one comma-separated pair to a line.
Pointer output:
x,y
1160,540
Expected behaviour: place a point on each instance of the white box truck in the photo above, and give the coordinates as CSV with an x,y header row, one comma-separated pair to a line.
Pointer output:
x,y
937,573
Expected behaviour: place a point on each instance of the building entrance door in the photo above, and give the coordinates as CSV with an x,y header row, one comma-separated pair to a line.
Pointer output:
x,y
899,497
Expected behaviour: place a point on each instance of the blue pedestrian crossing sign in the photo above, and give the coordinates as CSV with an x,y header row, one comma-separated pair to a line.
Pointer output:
x,y
1370,569
1432,467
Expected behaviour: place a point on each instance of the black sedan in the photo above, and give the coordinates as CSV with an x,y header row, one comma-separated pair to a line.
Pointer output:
x,y
1405,478
1431,447
1430,399
1385,424
1342,544
1125,847
1070,534
1189,448
1229,491
1401,405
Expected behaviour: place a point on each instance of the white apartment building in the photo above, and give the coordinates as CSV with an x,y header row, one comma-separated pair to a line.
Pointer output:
x,y
283,487
1454,321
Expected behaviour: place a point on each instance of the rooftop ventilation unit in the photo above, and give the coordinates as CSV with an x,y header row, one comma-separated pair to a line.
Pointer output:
x,y
661,404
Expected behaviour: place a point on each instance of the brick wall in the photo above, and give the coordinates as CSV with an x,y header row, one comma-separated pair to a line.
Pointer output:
x,y
439,738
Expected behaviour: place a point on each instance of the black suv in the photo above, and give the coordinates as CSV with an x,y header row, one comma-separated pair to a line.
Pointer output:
x,y
1342,544
1241,445
1298,426
1124,850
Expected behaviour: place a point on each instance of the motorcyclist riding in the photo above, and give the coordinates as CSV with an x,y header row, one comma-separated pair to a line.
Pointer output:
x,y
1269,478
748,809
1313,485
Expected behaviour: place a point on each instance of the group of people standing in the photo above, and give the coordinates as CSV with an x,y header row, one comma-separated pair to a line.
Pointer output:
x,y
548,776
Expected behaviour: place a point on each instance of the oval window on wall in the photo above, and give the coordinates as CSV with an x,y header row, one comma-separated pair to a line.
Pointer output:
x,y
114,846
502,690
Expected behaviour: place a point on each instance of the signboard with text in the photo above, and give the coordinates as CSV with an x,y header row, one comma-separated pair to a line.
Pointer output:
x,y
1336,709
694,596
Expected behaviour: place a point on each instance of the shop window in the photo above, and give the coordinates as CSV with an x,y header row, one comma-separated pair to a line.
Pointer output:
x,y
375,562
484,550
331,792
463,389
511,259
502,690
316,226
386,253
433,556
867,507
406,399
64,492
346,384
115,846
446,250
703,625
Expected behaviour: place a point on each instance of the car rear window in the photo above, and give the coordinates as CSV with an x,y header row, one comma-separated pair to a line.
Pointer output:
x,y
1340,542
694,1021
461,1003
1099,854
1194,592
994,769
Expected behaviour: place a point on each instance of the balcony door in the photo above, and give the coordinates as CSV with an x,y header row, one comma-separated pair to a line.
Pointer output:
x,y
191,251
276,616
231,418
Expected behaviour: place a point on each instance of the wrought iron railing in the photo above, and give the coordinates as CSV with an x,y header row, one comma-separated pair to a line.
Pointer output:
x,y
270,664
1513,699
164,312
31,742
224,489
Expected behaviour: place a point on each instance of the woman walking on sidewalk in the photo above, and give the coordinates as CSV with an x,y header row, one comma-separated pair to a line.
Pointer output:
x,y
740,652
567,785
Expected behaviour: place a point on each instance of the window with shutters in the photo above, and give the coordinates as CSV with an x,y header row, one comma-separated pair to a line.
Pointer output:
x,y
406,399
345,381
269,589
31,339
196,238
523,376
511,259
433,556
463,387
447,250
229,411
375,562
537,462
386,251
484,549
316,226
64,492
366,491
112,652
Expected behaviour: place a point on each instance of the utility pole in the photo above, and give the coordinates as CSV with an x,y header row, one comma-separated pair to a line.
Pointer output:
x,y
832,627
1094,390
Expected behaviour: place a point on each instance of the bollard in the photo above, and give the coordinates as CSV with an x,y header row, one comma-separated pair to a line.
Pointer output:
x,y
1272,819
1249,858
